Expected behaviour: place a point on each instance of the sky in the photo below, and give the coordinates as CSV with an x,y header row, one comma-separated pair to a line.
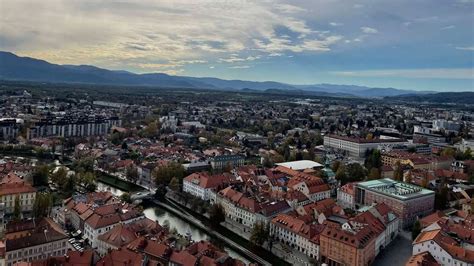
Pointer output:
x,y
412,44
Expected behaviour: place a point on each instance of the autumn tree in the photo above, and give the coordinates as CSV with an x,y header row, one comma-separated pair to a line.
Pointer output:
x,y
398,172
374,174
260,233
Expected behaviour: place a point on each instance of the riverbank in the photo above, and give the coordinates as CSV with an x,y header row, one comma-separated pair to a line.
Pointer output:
x,y
115,182
235,237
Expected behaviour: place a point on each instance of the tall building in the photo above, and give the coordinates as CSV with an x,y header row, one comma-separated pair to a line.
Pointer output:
x,y
358,147
69,126
408,201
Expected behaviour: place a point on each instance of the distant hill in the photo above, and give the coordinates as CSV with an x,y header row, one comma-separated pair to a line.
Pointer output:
x,y
441,97
13,67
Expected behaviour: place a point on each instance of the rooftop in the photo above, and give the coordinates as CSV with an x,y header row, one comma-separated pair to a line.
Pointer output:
x,y
395,189
300,165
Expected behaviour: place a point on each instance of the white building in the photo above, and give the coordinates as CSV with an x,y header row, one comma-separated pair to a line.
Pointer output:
x,y
357,147
203,185
443,248
296,234
345,196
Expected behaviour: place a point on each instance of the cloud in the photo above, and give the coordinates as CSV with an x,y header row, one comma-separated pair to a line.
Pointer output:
x,y
239,67
368,30
435,73
466,48
135,34
336,24
450,27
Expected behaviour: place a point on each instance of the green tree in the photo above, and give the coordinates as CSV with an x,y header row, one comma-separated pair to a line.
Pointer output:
x,y
59,177
416,230
88,181
356,172
216,215
17,209
441,197
374,160
125,197
42,205
174,184
260,233
341,174
40,175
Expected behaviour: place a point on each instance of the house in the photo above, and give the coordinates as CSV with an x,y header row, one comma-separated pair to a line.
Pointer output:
x,y
204,185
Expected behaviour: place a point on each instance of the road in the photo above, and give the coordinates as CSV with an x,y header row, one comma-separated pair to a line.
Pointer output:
x,y
397,253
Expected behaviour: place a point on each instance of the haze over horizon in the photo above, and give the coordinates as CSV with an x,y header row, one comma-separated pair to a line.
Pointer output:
x,y
403,44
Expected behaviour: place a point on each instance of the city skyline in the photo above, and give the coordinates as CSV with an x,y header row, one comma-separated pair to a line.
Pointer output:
x,y
405,45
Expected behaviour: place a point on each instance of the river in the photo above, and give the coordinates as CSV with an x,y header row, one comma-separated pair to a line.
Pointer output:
x,y
181,226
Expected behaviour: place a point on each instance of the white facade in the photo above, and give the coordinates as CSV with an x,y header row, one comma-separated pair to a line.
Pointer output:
x,y
345,200
354,148
43,251
93,233
301,243
441,256
194,189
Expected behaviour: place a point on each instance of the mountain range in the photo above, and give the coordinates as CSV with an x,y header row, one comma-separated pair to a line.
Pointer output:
x,y
16,68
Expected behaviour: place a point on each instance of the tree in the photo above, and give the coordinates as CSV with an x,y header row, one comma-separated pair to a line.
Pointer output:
x,y
441,197
374,174
132,173
356,172
163,174
17,209
174,184
448,152
336,165
341,174
398,172
125,197
88,181
259,234
216,215
416,230
59,177
374,159
40,175
42,205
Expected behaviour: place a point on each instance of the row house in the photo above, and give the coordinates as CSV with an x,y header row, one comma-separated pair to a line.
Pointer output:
x,y
42,239
13,187
297,234
204,185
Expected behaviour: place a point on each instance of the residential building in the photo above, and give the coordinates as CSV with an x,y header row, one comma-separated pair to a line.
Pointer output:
x,y
9,128
345,196
13,187
204,185
30,240
70,126
443,248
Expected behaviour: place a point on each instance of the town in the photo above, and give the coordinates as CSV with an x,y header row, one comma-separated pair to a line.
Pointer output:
x,y
97,175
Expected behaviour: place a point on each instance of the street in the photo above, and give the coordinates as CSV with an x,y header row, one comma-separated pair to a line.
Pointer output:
x,y
397,253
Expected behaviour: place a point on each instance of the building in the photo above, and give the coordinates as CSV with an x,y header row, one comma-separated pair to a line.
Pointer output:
x,y
358,147
301,165
351,243
9,128
221,162
204,186
71,258
409,202
13,187
31,240
345,196
106,217
70,126
297,234
444,249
